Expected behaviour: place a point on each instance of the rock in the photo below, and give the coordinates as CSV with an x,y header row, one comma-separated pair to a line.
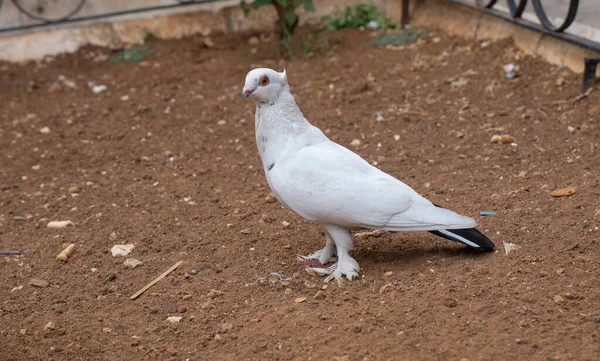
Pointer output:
x,y
74,189
215,293
502,139
388,274
97,89
319,296
558,299
570,129
50,326
39,283
597,319
23,331
386,288
450,303
300,299
125,98
208,42
45,130
253,40
355,143
181,309
560,81
396,137
509,247
245,231
222,122
106,330
59,224
459,83
226,326
19,219
309,284
121,249
110,277
357,328
265,219
132,263
285,224
174,319
194,271
270,198
112,236
563,192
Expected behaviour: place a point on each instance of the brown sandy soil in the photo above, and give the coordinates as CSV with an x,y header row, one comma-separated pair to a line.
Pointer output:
x,y
160,170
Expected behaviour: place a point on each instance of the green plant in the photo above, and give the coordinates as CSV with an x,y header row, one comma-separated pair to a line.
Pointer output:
x,y
398,38
133,55
287,17
358,16
148,34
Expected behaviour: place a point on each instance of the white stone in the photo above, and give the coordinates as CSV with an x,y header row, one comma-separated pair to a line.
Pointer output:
x,y
121,249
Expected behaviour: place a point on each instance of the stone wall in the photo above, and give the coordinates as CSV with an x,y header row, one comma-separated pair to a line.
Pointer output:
x,y
217,17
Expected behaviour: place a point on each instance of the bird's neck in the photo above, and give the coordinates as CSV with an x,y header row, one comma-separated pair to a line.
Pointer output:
x,y
280,115
279,124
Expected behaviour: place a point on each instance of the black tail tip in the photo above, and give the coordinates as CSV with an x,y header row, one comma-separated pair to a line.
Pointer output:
x,y
470,237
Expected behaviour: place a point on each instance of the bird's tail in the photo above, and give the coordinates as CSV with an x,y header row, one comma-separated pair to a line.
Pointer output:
x,y
471,237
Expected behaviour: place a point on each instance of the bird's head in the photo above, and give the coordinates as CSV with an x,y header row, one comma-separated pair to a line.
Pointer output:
x,y
264,85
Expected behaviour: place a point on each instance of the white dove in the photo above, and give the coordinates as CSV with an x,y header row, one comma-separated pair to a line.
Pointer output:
x,y
325,182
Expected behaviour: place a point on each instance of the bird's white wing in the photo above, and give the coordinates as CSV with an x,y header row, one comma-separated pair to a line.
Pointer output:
x,y
328,183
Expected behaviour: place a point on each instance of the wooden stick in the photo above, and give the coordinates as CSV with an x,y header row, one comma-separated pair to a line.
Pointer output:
x,y
138,293
66,253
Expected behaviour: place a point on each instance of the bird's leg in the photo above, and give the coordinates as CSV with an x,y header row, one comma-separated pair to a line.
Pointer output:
x,y
346,265
320,257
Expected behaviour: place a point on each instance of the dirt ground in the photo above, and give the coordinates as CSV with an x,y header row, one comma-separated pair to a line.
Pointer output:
x,y
165,159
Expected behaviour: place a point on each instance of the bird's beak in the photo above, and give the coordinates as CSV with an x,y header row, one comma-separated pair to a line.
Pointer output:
x,y
247,91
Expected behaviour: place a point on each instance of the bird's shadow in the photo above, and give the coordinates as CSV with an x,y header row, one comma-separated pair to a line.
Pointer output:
x,y
412,255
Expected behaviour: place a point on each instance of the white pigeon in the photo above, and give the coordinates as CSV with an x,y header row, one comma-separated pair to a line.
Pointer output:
x,y
325,182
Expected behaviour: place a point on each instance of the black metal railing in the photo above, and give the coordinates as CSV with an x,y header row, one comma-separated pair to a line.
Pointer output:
x,y
71,14
516,9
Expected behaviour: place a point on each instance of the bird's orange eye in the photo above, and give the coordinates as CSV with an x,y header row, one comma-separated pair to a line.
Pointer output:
x,y
264,80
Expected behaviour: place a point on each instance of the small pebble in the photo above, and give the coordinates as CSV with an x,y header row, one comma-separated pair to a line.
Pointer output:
x,y
357,328
215,293
285,224
563,192
597,319
194,271
270,198
300,299
110,277
558,299
50,326
60,224
45,130
39,283
388,274
226,326
121,249
174,319
132,263
355,143
319,296
181,309
450,303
